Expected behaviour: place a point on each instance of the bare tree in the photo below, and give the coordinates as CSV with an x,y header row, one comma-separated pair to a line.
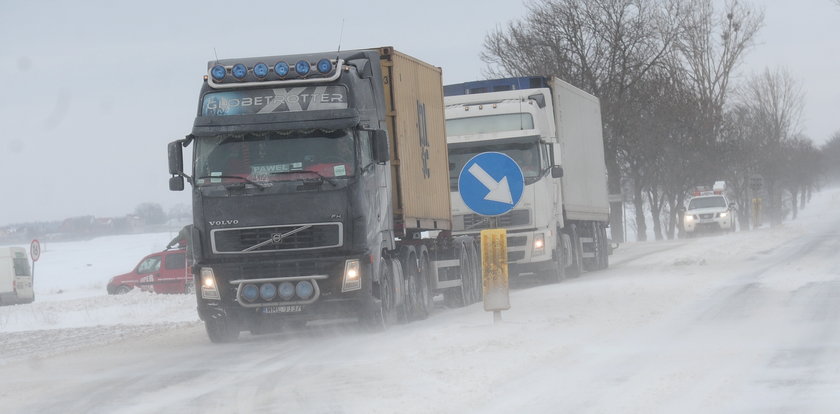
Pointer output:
x,y
774,102
710,47
602,46
831,157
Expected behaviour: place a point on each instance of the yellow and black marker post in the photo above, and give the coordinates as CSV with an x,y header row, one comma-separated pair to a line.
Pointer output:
x,y
494,272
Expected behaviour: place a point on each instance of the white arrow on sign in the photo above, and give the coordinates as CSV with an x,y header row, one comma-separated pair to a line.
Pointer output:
x,y
499,190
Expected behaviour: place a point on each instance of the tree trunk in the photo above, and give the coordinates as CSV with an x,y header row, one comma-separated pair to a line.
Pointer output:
x,y
639,204
655,210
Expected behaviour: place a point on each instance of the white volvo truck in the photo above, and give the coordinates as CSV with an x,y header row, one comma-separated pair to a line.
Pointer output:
x,y
553,131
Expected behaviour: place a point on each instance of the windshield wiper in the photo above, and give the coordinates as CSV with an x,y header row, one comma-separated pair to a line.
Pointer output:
x,y
254,183
320,179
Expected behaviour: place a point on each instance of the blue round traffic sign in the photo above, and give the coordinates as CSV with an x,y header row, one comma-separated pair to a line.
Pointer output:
x,y
491,183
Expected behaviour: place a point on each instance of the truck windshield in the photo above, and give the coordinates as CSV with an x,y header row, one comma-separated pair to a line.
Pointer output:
x,y
488,124
706,202
525,153
260,157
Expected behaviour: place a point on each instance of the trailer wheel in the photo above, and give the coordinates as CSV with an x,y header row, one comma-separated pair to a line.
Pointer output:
x,y
221,329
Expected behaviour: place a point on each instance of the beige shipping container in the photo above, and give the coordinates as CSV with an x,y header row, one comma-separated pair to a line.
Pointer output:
x,y
416,127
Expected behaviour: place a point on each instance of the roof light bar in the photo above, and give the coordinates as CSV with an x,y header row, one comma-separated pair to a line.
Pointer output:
x,y
281,73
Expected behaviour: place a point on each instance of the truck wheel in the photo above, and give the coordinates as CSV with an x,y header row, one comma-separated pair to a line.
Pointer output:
x,y
426,302
221,330
477,285
557,272
460,296
384,312
122,290
575,268
605,248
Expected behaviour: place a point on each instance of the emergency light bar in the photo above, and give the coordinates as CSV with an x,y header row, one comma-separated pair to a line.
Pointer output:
x,y
278,73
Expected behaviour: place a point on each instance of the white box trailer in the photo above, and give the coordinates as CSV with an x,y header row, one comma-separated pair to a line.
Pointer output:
x,y
577,117
15,277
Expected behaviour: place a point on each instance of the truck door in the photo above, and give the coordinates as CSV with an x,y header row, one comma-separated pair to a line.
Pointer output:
x,y
172,277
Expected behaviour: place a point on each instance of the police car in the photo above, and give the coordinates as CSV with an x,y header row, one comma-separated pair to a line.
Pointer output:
x,y
708,211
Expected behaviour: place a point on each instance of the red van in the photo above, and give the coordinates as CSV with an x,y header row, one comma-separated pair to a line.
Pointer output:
x,y
163,272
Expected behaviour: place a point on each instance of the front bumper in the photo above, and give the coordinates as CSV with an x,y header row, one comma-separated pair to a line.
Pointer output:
x,y
713,224
328,300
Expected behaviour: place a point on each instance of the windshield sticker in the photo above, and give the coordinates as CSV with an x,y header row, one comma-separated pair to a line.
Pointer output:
x,y
263,172
269,101
339,171
216,174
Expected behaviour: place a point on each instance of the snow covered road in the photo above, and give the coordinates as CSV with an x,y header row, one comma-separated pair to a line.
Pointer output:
x,y
742,322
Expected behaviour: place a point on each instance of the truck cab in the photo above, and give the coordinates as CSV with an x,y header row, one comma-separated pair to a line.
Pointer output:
x,y
516,123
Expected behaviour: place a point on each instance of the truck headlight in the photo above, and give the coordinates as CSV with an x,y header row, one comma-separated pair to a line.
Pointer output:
x,y
209,290
539,244
352,275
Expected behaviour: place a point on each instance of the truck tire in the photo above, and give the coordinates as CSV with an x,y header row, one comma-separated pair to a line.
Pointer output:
x,y
598,248
605,247
122,290
426,274
383,313
575,267
416,266
477,285
221,330
557,272
460,296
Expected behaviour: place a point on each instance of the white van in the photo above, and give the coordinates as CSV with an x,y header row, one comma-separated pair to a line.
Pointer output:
x,y
15,276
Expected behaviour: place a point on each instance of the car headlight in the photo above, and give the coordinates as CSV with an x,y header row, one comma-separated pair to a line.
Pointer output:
x,y
689,217
724,214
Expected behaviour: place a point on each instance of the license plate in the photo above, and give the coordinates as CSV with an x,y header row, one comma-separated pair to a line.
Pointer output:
x,y
283,309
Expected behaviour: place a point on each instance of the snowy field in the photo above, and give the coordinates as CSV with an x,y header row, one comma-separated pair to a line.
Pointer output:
x,y
747,322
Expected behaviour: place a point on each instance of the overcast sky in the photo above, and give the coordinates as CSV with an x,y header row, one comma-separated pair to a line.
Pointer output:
x,y
93,91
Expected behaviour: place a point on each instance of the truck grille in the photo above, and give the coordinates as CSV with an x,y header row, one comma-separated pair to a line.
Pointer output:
x,y
707,216
519,217
292,237
517,241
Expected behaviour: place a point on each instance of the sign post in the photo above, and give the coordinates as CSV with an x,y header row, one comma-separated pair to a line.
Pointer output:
x,y
34,253
491,184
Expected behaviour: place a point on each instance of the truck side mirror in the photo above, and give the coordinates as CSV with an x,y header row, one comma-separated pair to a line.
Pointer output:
x,y
176,158
176,183
380,146
556,171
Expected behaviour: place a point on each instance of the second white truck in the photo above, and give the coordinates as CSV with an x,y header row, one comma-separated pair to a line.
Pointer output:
x,y
553,131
